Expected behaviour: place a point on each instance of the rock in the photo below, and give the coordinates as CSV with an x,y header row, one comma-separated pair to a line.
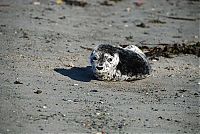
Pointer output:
x,y
38,92
18,82
94,90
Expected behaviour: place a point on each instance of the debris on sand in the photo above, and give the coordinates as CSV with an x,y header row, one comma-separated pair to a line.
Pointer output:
x,y
38,92
172,49
116,0
157,21
62,17
142,25
81,3
59,2
4,5
18,82
87,48
168,50
93,90
139,3
36,3
180,18
109,2
128,38
69,64
24,35
44,106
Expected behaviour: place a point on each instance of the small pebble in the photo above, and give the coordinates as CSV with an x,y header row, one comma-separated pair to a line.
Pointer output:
x,y
38,92
76,100
171,75
195,94
75,84
101,102
128,9
69,65
18,82
36,3
125,25
41,129
44,107
98,114
139,3
59,2
62,17
69,100
142,25
94,90
160,117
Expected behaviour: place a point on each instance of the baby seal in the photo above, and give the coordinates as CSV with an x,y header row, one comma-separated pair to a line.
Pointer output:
x,y
117,64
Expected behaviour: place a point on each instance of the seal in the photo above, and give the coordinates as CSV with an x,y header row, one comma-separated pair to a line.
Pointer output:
x,y
112,63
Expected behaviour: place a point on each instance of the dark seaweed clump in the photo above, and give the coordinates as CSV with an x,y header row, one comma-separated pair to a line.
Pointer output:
x,y
168,50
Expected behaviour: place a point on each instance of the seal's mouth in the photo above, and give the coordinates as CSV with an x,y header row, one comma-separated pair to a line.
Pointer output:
x,y
100,74
99,71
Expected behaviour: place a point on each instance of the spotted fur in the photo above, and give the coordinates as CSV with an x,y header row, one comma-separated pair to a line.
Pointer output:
x,y
117,64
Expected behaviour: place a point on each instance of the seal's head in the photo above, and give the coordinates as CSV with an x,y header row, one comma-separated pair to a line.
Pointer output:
x,y
104,60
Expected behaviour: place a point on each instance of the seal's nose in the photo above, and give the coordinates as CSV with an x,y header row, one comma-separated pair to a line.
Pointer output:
x,y
99,68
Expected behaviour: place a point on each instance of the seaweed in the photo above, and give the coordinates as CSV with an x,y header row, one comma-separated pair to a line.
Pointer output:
x,y
168,50
80,3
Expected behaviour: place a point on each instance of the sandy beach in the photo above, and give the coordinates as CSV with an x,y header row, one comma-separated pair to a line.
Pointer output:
x,y
47,86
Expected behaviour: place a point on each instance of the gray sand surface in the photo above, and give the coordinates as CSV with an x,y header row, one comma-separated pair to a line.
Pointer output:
x,y
47,85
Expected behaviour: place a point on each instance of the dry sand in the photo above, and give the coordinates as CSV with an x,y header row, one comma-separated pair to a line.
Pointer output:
x,y
46,82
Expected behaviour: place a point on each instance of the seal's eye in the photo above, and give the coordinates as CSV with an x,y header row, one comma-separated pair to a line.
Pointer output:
x,y
109,59
94,58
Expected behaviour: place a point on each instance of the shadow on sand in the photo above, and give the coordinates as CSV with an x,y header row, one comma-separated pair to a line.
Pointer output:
x,y
83,74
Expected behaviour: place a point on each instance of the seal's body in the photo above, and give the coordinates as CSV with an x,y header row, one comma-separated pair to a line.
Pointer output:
x,y
116,64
